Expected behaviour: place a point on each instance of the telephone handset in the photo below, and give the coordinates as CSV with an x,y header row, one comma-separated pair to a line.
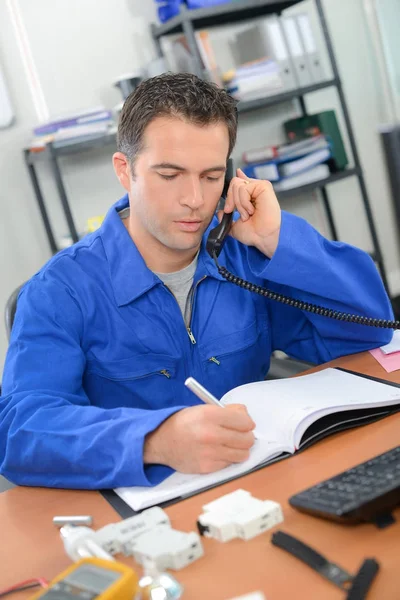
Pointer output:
x,y
215,242
218,235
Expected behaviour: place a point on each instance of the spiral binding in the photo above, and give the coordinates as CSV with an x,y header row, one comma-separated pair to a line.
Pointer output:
x,y
306,306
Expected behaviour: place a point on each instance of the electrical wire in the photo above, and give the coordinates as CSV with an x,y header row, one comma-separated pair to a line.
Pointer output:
x,y
306,306
24,585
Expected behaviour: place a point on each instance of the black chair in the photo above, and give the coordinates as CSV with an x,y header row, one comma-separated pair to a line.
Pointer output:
x,y
282,366
10,309
9,314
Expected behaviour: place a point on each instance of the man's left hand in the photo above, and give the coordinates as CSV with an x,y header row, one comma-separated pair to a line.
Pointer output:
x,y
260,213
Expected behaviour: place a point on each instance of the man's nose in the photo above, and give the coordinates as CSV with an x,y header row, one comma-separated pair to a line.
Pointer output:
x,y
193,193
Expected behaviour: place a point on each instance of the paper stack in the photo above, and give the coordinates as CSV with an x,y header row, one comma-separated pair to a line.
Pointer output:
x,y
388,356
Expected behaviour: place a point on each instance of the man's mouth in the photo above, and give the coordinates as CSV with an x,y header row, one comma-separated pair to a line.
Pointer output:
x,y
189,225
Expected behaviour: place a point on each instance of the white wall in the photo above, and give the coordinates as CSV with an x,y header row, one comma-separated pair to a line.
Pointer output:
x,y
78,49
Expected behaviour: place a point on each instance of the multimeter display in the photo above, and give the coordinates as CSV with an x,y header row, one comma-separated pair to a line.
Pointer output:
x,y
92,579
84,583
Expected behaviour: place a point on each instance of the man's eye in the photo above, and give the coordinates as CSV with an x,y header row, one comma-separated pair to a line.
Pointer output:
x,y
213,178
167,177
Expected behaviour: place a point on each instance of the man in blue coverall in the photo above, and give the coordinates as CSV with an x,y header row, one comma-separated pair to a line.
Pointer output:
x,y
108,330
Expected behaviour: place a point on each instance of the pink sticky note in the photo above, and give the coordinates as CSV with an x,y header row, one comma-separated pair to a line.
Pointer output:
x,y
390,362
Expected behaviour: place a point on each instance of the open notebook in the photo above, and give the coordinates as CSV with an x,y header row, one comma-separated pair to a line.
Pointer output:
x,y
289,414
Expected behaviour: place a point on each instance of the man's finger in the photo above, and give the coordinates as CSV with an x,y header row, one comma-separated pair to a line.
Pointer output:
x,y
236,417
233,455
245,200
240,174
240,208
236,439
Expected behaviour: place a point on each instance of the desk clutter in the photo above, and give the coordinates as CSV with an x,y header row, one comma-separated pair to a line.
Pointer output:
x,y
151,541
148,538
356,586
388,356
238,515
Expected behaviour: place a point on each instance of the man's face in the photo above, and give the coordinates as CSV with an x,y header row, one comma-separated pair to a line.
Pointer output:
x,y
176,182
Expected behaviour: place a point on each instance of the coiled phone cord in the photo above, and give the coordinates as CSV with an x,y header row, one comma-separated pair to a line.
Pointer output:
x,y
306,306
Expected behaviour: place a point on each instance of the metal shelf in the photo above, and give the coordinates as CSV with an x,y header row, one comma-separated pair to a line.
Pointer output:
x,y
98,142
74,148
221,14
249,105
243,107
317,184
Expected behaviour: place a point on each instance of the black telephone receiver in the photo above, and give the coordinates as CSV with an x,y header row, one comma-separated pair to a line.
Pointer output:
x,y
218,235
215,243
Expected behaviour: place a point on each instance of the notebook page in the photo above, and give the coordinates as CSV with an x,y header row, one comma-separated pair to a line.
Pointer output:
x,y
346,392
283,409
180,484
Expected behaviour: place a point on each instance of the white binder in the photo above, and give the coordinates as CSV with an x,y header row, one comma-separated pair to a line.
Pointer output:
x,y
278,48
295,46
310,47
266,39
6,111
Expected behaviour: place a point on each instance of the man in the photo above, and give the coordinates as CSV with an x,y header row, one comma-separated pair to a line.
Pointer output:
x,y
107,332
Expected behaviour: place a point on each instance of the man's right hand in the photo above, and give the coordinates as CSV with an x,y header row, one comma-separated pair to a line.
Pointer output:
x,y
201,439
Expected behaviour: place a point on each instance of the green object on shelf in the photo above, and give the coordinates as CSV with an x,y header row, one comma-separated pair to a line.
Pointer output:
x,y
324,122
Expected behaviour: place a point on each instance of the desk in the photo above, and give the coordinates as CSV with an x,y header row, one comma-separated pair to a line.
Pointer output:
x,y
31,547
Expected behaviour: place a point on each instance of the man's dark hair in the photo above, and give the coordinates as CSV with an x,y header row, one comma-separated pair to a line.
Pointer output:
x,y
179,95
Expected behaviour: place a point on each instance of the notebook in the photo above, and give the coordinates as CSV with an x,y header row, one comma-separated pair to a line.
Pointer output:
x,y
289,415
317,173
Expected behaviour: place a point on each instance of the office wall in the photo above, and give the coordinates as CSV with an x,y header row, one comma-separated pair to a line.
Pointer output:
x,y
78,49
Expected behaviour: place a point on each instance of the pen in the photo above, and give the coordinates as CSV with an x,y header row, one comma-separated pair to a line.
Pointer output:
x,y
201,392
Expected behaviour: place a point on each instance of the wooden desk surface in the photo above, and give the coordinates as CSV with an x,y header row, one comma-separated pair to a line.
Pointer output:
x,y
30,544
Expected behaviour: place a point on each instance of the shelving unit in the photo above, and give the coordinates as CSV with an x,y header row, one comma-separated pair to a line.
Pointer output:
x,y
188,21
52,154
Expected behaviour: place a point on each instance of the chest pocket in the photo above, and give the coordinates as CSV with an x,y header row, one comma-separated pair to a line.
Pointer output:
x,y
238,358
141,381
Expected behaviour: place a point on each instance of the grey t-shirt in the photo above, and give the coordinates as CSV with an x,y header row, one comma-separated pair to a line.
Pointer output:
x,y
179,283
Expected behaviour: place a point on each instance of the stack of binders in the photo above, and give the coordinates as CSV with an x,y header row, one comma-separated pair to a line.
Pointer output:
x,y
289,166
287,40
253,80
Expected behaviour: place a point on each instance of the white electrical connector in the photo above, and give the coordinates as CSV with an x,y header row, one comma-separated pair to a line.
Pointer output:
x,y
148,537
117,537
81,542
167,548
238,515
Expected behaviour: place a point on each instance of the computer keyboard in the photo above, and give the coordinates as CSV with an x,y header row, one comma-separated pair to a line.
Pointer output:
x,y
362,493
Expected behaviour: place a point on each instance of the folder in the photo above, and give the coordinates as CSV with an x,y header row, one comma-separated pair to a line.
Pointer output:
x,y
324,122
281,168
266,39
310,47
293,40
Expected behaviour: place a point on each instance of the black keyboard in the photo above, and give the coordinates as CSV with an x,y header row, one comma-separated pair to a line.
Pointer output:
x,y
363,493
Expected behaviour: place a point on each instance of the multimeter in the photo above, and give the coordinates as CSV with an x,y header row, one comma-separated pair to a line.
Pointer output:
x,y
93,579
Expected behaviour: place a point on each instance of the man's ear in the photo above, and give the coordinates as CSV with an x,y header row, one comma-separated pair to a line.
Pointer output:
x,y
122,170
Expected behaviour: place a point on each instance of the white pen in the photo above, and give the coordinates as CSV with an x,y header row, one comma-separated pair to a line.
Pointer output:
x,y
201,392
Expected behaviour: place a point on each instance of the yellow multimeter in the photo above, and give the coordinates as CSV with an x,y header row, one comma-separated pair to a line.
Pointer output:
x,y
93,579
